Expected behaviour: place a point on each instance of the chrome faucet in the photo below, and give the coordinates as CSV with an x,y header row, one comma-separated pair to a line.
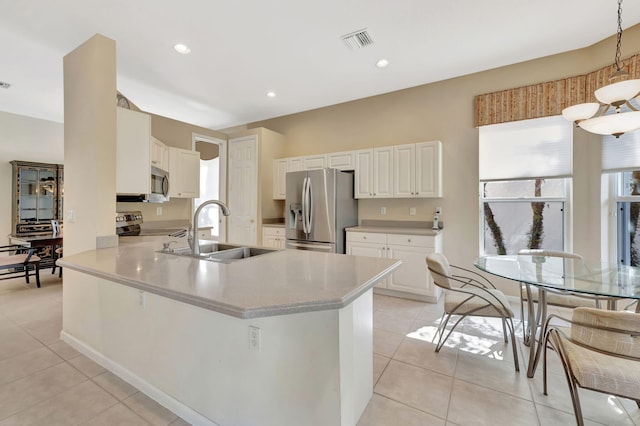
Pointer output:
x,y
196,243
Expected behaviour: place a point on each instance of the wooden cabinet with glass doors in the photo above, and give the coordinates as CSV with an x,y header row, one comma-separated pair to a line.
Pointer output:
x,y
37,197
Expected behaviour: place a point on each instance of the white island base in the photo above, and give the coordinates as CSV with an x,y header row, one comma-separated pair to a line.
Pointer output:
x,y
311,368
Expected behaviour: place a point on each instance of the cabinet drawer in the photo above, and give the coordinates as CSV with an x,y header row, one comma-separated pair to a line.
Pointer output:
x,y
367,237
272,230
411,240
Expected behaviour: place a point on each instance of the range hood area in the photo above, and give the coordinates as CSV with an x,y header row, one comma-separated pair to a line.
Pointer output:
x,y
139,198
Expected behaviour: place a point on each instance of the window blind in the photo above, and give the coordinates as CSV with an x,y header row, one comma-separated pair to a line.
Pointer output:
x,y
621,154
537,148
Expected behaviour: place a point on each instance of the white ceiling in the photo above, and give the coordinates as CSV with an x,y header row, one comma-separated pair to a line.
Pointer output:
x,y
243,48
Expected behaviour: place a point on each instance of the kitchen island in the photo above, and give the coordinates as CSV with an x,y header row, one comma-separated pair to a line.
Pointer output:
x,y
283,338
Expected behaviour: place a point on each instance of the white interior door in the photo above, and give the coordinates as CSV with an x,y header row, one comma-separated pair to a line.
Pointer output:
x,y
243,190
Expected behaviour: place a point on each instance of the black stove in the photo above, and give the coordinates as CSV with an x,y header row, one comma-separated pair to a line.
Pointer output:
x,y
128,223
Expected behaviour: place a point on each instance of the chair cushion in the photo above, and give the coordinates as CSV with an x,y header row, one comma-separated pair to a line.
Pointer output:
x,y
602,372
453,298
439,264
607,340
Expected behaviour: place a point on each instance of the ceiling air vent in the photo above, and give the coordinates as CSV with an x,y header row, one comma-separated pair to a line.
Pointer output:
x,y
4,85
357,39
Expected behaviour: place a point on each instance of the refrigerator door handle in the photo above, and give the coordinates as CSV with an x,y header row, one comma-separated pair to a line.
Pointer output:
x,y
309,206
304,205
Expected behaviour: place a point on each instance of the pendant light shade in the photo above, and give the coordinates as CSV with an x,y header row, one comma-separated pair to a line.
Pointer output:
x,y
618,92
615,114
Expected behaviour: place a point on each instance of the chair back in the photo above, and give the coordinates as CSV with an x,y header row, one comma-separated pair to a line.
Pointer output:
x,y
623,343
549,253
440,269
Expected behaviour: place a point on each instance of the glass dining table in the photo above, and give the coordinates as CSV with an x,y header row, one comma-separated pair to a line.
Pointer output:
x,y
609,282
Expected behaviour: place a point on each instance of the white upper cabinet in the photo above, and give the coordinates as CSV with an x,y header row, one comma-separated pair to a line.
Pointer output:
x,y
400,171
159,154
184,173
418,169
133,160
315,162
404,162
429,169
374,173
280,179
295,164
342,160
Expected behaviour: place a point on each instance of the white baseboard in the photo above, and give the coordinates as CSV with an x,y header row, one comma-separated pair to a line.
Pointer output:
x,y
170,403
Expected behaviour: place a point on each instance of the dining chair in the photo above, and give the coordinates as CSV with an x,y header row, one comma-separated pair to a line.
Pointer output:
x,y
555,298
467,293
601,352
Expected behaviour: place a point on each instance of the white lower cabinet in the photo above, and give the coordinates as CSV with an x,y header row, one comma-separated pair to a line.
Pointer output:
x,y
273,236
411,279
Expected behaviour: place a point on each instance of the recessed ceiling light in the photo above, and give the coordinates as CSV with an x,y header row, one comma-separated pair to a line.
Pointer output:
x,y
271,94
382,63
182,48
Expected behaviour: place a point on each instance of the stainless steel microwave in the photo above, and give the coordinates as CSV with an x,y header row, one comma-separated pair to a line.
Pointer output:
x,y
159,186
159,189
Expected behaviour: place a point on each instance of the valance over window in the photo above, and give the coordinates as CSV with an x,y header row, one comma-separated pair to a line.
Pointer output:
x,y
545,99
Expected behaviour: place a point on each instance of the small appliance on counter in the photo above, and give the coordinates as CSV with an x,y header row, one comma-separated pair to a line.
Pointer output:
x,y
128,223
319,206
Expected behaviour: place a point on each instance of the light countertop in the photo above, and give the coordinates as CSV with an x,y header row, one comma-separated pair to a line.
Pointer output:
x,y
277,283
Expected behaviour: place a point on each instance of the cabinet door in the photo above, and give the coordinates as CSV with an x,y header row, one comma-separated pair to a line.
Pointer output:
x,y
184,173
279,179
133,158
159,154
404,166
412,276
368,250
315,162
295,164
429,169
342,160
383,172
363,175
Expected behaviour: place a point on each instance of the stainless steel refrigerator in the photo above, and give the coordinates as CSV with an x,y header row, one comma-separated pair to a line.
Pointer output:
x,y
319,206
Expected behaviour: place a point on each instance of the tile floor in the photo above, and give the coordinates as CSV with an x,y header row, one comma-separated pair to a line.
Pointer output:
x,y
472,381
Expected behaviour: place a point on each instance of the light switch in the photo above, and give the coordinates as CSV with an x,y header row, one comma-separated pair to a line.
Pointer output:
x,y
412,211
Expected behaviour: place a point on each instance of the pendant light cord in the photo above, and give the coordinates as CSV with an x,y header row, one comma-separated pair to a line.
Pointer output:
x,y
619,42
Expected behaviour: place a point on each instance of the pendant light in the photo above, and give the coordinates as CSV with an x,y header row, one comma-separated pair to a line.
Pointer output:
x,y
614,115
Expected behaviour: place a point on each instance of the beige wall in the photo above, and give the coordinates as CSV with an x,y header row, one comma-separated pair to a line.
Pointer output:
x,y
90,144
27,139
444,111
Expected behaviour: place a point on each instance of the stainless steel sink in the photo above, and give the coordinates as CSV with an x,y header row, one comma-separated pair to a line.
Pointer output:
x,y
220,252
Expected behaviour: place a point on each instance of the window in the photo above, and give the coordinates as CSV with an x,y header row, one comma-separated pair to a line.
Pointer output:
x,y
525,170
628,225
523,214
621,158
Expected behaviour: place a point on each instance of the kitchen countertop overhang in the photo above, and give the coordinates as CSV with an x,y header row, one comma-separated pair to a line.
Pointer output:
x,y
278,283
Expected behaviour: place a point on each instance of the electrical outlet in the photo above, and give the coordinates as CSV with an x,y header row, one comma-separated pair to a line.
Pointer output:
x,y
158,211
71,216
254,338
412,211
383,210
